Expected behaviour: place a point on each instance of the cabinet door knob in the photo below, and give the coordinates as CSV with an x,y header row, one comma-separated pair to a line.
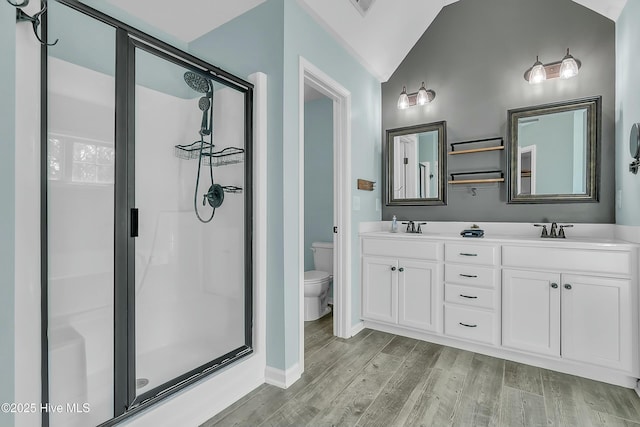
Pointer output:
x,y
554,285
567,286
401,269
393,269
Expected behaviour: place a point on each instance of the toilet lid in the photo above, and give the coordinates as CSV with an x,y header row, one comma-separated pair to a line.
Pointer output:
x,y
315,276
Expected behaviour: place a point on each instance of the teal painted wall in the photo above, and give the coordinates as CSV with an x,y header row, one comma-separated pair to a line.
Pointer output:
x,y
318,175
7,206
254,42
627,110
304,37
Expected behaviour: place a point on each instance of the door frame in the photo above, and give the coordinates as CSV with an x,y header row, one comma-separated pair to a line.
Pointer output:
x,y
311,75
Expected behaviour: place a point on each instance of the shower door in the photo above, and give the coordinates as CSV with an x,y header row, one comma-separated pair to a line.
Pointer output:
x,y
189,255
147,227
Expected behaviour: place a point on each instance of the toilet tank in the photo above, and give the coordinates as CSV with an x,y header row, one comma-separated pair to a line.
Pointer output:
x,y
323,256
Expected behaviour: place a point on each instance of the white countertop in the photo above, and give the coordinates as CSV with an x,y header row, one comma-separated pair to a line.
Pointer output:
x,y
601,239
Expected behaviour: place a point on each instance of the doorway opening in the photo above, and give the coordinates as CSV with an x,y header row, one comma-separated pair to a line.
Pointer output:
x,y
333,103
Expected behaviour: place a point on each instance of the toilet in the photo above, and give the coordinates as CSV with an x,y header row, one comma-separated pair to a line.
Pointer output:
x,y
316,282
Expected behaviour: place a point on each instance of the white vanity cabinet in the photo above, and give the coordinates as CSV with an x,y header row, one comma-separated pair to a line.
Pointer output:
x,y
401,282
585,318
567,305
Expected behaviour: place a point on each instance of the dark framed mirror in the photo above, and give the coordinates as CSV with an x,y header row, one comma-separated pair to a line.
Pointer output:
x,y
553,152
416,165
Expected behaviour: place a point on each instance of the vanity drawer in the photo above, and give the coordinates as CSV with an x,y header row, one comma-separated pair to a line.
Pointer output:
x,y
470,324
582,260
418,249
472,254
467,295
471,275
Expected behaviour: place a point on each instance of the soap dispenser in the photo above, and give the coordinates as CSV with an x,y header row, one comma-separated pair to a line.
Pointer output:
x,y
394,224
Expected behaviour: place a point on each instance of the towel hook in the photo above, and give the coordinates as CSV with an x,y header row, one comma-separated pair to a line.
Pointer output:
x,y
22,16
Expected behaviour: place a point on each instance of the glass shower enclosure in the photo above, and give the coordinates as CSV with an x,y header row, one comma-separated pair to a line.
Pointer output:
x,y
147,159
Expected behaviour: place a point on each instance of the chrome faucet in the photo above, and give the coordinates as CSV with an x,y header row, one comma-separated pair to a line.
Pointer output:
x,y
554,230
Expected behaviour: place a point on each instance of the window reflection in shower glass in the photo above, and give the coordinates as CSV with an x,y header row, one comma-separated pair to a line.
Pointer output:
x,y
81,92
189,275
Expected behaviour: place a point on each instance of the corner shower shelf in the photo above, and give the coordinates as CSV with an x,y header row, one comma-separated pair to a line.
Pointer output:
x,y
477,181
190,151
477,150
227,156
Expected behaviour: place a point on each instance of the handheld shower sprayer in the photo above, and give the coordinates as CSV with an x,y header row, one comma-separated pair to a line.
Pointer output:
x,y
215,195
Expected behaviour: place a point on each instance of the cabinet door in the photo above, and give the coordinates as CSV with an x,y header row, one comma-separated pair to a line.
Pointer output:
x,y
596,321
380,289
418,295
531,311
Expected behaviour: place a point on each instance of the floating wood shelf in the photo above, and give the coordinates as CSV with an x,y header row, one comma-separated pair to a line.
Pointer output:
x,y
453,179
476,181
477,150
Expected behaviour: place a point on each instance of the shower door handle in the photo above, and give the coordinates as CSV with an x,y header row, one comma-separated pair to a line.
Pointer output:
x,y
134,222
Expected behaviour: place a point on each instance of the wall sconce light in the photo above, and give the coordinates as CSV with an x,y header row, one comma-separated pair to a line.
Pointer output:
x,y
422,97
565,69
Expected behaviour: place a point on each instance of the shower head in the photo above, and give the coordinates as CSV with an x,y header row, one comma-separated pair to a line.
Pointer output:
x,y
197,82
204,103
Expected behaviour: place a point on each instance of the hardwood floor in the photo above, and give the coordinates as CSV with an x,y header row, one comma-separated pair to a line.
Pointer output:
x,y
379,379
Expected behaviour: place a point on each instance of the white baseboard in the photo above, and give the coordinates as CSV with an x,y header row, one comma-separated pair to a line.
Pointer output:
x,y
280,378
357,328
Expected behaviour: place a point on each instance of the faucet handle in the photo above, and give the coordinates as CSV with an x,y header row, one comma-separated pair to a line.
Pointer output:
x,y
561,234
419,230
545,233
410,226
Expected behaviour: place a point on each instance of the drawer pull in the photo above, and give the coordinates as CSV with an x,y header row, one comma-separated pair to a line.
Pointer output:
x,y
466,254
471,276
468,326
467,296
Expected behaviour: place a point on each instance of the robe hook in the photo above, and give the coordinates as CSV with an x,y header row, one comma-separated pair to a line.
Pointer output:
x,y
22,16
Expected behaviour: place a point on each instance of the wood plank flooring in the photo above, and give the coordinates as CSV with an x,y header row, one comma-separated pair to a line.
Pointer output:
x,y
380,379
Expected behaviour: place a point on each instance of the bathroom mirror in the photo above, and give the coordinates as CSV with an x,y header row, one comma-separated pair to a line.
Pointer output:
x,y
553,152
416,165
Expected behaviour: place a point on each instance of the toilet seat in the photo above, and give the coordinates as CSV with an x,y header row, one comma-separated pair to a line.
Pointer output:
x,y
315,276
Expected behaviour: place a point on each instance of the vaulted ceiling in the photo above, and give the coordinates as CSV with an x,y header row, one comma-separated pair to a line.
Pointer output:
x,y
380,40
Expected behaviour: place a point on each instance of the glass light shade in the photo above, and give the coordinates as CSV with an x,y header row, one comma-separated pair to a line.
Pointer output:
x,y
423,96
403,101
537,74
569,67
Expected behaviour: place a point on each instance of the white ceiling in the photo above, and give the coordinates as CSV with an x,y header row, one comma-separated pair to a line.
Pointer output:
x,y
380,40
186,20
